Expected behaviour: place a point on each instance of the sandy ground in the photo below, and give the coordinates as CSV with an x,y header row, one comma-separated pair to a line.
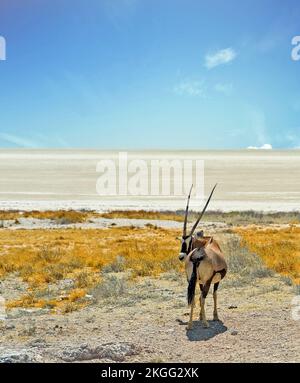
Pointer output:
x,y
148,323
102,223
99,223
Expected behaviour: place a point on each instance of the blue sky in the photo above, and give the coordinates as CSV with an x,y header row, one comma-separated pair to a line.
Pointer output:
x,y
130,74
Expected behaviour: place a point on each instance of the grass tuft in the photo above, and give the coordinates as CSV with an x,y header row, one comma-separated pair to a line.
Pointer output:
x,y
110,287
278,248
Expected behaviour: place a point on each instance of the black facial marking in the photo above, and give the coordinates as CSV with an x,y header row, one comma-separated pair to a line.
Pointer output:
x,y
183,247
186,248
190,245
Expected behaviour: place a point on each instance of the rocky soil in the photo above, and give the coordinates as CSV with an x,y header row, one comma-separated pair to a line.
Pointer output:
x,y
147,322
97,223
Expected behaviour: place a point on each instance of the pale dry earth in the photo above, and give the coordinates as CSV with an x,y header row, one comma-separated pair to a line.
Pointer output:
x,y
102,223
66,179
99,223
147,321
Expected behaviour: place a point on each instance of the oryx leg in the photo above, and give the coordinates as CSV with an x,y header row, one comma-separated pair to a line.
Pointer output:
x,y
203,295
200,314
216,285
203,316
190,324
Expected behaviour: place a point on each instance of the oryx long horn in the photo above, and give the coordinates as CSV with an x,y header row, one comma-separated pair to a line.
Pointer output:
x,y
203,211
186,212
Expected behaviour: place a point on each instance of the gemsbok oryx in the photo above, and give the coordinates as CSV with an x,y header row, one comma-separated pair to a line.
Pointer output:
x,y
204,263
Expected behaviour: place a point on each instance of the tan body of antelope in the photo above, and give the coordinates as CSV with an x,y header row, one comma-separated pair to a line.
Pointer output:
x,y
204,264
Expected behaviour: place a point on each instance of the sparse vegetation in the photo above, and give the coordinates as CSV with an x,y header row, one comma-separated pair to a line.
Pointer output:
x,y
234,218
64,217
243,265
297,289
111,286
241,261
143,214
116,266
238,218
61,266
278,248
83,279
43,257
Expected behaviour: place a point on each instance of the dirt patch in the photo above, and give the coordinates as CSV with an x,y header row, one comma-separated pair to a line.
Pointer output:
x,y
149,324
137,312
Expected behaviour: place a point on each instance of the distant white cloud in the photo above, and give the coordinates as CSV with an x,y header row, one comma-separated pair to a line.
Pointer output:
x,y
224,88
263,147
190,88
220,57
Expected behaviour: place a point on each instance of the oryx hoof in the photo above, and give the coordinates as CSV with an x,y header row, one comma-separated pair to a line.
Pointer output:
x,y
216,318
205,324
189,326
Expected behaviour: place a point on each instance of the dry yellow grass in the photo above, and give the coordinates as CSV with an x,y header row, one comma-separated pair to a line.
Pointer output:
x,y
142,214
41,257
71,302
74,216
70,216
82,216
279,248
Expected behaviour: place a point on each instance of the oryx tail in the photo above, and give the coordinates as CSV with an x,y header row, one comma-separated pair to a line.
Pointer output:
x,y
192,284
196,256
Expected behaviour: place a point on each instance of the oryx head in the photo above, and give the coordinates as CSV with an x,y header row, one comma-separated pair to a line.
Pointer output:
x,y
186,239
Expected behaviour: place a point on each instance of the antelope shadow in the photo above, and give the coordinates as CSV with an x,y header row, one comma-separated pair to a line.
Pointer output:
x,y
199,333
